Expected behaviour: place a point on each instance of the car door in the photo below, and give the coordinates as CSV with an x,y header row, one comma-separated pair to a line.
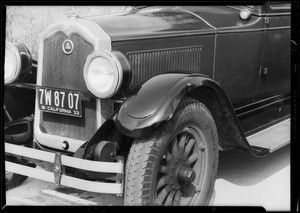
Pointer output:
x,y
239,52
274,75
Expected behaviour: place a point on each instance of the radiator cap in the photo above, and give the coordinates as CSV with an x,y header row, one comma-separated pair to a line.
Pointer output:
x,y
65,145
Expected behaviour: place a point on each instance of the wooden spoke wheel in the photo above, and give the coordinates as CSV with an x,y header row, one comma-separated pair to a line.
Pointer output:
x,y
178,165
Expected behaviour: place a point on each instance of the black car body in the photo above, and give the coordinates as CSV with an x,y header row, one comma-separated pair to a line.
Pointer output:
x,y
110,88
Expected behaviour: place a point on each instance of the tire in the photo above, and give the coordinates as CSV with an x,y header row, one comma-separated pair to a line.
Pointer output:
x,y
178,164
13,180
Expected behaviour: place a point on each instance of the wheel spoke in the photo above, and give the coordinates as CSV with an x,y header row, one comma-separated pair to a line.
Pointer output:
x,y
162,181
163,169
169,157
192,158
189,147
162,195
182,141
169,199
177,198
175,151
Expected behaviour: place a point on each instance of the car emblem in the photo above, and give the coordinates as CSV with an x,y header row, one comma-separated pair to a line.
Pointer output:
x,y
67,46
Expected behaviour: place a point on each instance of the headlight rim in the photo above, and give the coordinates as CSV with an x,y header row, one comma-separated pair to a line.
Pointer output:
x,y
17,59
114,61
22,60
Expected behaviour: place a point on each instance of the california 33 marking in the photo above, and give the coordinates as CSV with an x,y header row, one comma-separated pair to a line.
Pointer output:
x,y
59,101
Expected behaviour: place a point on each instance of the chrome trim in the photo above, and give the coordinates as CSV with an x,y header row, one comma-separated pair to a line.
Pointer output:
x,y
22,60
278,14
276,96
78,163
100,40
17,62
228,30
88,165
278,28
99,118
273,14
116,64
280,7
261,107
85,185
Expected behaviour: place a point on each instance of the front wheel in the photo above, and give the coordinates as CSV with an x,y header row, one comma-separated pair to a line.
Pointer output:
x,y
177,165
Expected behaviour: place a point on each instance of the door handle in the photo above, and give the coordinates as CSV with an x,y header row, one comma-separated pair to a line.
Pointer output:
x,y
263,71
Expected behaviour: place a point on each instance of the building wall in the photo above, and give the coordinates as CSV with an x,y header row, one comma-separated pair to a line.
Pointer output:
x,y
25,23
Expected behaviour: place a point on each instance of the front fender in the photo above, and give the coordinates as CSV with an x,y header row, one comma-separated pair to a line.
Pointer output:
x,y
154,102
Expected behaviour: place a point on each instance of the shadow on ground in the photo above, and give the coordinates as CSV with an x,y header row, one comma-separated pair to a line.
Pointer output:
x,y
236,165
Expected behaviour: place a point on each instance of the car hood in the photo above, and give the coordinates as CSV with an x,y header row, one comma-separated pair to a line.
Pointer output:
x,y
152,21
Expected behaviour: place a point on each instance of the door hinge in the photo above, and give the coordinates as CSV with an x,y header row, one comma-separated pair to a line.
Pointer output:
x,y
267,20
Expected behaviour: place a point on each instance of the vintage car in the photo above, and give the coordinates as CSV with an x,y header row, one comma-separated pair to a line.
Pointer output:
x,y
140,103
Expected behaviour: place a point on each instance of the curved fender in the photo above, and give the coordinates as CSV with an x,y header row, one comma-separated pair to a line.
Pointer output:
x,y
148,106
155,102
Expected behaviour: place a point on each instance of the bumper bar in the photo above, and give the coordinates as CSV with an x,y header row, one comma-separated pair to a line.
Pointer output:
x,y
82,164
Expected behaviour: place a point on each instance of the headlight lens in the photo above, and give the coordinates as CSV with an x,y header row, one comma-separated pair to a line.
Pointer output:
x,y
16,66
11,65
103,73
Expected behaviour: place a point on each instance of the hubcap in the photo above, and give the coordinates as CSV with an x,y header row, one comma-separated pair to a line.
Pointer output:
x,y
180,168
186,175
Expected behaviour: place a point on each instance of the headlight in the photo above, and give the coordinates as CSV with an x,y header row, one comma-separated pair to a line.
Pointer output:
x,y
17,61
104,73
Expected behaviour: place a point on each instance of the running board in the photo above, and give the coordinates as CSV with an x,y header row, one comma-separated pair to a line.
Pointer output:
x,y
272,138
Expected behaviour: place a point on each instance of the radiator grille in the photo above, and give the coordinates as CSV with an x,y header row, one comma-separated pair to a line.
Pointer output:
x,y
66,72
149,63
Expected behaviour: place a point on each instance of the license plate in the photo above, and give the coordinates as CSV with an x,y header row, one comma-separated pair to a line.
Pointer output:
x,y
65,102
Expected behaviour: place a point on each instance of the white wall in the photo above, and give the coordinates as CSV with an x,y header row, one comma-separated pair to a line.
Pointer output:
x,y
25,23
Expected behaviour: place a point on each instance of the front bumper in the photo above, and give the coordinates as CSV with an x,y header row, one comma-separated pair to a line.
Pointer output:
x,y
58,176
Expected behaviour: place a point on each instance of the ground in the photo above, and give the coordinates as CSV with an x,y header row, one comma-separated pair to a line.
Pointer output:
x,y
242,180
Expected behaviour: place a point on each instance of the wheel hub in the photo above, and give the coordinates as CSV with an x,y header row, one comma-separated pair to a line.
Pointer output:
x,y
180,174
186,175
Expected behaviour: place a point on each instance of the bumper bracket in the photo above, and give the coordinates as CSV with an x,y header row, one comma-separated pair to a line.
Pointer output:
x,y
57,168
